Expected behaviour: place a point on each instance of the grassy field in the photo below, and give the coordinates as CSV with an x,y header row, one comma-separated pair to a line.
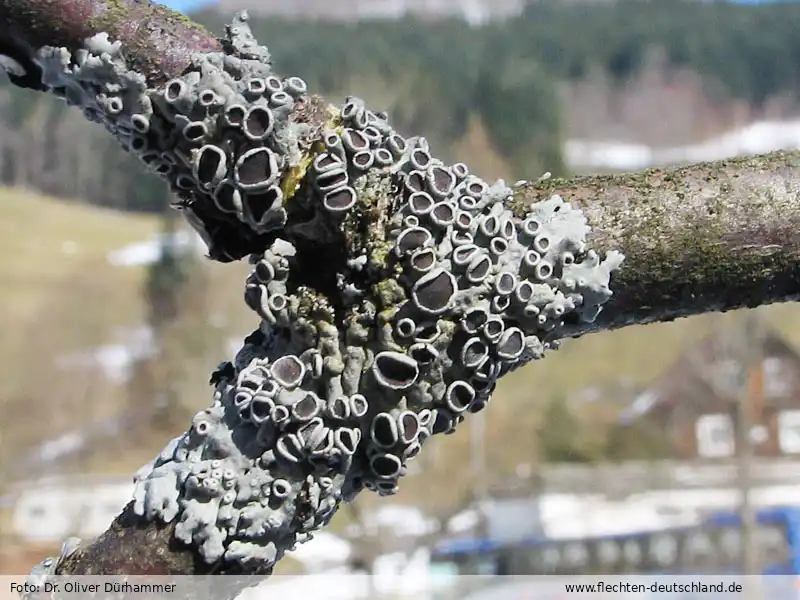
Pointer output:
x,y
45,240
61,295
54,270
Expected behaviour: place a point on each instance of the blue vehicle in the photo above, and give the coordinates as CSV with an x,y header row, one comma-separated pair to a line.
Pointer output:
x,y
712,547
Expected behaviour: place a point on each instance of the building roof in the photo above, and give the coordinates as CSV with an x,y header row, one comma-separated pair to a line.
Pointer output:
x,y
708,369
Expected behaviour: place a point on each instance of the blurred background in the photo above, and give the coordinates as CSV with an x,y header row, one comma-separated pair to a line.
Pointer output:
x,y
673,447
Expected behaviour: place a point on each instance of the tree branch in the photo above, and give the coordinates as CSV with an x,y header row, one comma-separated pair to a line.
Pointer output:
x,y
392,290
703,238
159,41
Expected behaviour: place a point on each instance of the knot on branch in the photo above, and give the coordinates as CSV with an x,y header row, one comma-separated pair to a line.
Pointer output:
x,y
362,356
393,290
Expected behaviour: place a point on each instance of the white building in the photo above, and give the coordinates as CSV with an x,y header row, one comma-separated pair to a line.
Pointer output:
x,y
52,509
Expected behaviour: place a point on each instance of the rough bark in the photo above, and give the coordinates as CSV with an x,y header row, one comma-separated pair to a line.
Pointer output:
x,y
703,238
159,40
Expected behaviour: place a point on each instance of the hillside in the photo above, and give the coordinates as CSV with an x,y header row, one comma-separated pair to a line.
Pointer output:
x,y
59,295
55,265
63,301
660,106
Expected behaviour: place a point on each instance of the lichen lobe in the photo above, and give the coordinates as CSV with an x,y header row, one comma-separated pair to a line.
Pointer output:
x,y
437,289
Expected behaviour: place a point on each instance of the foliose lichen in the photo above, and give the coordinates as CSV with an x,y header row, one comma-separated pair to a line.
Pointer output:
x,y
438,291
224,134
